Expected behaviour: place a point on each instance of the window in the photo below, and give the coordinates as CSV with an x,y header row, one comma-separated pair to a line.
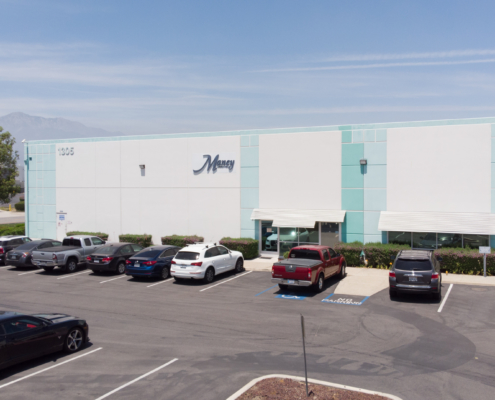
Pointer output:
x,y
136,247
447,240
187,255
126,250
97,241
56,244
308,254
168,253
26,240
333,253
42,246
21,324
16,242
72,242
399,238
148,253
475,241
413,265
87,242
213,252
2,330
329,234
325,255
269,236
425,240
223,250
106,250
28,246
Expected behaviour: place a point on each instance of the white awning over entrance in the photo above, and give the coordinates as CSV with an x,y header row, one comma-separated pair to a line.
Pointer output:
x,y
468,223
297,218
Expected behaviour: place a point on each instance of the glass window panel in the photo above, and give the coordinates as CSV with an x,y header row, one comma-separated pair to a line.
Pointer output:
x,y
449,240
269,236
288,234
475,241
329,234
308,235
399,238
286,246
424,240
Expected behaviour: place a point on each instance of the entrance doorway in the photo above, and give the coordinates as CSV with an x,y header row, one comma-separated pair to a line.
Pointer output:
x,y
269,238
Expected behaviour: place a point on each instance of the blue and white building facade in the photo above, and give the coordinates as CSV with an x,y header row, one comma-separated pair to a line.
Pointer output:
x,y
430,184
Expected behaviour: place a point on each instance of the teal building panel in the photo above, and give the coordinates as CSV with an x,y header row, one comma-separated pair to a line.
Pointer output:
x,y
493,129
371,219
248,233
493,200
245,141
493,149
354,222
381,135
249,197
375,200
493,175
384,237
375,153
352,177
357,136
352,153
354,237
369,136
249,157
255,140
246,222
346,136
352,199
373,239
375,176
250,177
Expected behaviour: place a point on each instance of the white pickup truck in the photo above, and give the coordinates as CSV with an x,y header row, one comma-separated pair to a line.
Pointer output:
x,y
73,251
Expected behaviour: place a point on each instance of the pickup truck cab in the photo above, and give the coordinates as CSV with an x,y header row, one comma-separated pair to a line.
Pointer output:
x,y
73,251
308,265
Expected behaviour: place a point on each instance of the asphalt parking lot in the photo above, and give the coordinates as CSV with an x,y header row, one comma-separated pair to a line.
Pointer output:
x,y
167,340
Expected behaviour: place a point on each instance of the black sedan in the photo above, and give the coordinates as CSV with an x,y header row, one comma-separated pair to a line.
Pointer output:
x,y
112,257
152,262
22,255
24,337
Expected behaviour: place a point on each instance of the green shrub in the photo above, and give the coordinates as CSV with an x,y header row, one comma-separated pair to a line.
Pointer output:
x,y
247,246
19,206
377,254
12,229
465,261
101,235
143,240
181,241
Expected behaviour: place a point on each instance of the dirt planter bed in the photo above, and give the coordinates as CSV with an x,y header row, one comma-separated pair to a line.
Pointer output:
x,y
284,387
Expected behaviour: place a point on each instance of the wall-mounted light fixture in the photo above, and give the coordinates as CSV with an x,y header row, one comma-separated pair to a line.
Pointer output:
x,y
30,158
363,162
142,166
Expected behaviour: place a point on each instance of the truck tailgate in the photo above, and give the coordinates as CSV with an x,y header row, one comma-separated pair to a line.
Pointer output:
x,y
294,269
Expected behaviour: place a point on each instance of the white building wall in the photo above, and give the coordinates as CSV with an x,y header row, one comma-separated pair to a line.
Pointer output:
x,y
102,188
301,171
439,169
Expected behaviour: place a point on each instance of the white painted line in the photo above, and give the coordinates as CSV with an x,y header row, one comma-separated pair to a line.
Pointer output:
x,y
445,298
165,281
71,275
53,366
137,379
30,272
109,280
209,287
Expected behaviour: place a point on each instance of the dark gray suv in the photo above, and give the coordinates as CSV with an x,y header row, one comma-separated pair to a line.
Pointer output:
x,y
416,271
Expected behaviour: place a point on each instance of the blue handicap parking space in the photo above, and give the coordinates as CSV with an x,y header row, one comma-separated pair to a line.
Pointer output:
x,y
349,300
290,297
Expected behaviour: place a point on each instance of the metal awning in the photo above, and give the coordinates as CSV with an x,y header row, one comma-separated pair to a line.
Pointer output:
x,y
469,223
297,218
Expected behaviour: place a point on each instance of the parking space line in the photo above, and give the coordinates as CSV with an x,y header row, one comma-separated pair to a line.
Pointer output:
x,y
30,272
137,379
53,366
71,275
209,287
109,280
266,290
158,283
445,298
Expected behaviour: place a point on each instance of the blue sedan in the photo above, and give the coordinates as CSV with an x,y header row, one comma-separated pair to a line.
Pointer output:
x,y
152,262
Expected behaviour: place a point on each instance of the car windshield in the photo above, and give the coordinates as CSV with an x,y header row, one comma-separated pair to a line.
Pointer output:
x,y
307,254
413,265
27,246
148,253
186,255
106,250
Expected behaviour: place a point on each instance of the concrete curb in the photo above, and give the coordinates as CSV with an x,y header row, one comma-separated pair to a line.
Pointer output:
x,y
300,378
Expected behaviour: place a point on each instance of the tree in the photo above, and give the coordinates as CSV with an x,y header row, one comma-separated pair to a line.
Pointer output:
x,y
8,167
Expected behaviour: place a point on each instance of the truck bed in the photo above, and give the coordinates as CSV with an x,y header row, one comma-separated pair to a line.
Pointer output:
x,y
58,249
299,262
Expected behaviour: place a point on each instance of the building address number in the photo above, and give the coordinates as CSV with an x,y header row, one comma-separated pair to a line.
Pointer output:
x,y
66,151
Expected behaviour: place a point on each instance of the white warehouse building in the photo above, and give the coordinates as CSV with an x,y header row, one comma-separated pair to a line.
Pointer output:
x,y
429,184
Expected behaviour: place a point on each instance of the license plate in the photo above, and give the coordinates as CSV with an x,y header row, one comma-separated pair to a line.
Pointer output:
x,y
183,266
96,261
291,281
13,257
136,265
413,279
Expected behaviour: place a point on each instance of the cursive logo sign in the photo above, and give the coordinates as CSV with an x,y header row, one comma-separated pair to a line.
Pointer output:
x,y
215,164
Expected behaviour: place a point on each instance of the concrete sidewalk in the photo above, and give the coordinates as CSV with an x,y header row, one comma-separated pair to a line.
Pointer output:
x,y
11,217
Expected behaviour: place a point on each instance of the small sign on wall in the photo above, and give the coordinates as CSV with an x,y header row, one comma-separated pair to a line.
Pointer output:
x,y
485,249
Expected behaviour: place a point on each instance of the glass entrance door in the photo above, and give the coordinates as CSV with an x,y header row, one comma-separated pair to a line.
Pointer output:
x,y
269,237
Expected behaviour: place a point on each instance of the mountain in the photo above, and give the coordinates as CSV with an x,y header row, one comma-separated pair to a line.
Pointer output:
x,y
24,126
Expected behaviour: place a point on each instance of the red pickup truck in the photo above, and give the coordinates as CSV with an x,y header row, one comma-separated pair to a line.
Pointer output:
x,y
308,266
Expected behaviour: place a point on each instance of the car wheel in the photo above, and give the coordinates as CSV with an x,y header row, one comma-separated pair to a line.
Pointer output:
x,y
239,265
320,284
283,287
120,268
71,265
342,271
48,269
165,273
209,275
73,341
392,293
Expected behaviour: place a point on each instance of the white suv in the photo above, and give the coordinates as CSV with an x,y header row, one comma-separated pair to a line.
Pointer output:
x,y
204,261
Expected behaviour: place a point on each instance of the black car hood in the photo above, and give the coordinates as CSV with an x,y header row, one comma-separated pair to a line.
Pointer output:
x,y
54,317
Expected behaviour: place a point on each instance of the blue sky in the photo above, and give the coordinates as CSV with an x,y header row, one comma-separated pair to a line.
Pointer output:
x,y
184,66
